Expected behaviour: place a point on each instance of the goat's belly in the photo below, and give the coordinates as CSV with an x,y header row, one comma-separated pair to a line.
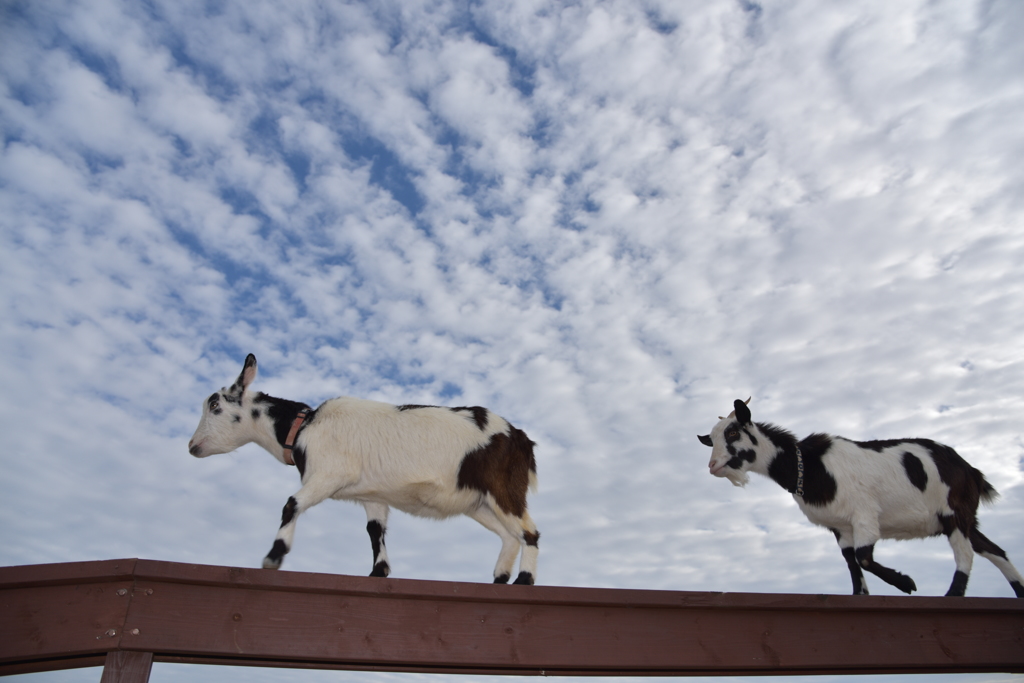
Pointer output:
x,y
425,499
918,526
905,525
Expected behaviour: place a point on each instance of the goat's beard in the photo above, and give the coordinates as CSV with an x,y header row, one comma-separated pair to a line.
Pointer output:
x,y
737,477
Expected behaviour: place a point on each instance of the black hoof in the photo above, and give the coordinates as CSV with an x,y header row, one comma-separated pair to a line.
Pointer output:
x,y
958,588
524,579
381,569
905,584
501,578
276,555
1018,589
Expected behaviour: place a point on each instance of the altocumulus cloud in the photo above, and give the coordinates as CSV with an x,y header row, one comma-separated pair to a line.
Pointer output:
x,y
605,221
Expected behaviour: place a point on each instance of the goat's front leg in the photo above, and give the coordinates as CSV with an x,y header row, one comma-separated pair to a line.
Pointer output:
x,y
860,586
865,559
376,526
865,534
304,498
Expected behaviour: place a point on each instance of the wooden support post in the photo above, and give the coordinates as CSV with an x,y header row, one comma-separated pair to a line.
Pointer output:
x,y
127,667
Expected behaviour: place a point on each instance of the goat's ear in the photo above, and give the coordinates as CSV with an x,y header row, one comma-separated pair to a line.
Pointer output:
x,y
742,411
246,377
705,439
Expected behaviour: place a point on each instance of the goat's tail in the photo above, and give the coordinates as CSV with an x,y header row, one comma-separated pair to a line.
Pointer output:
x,y
986,492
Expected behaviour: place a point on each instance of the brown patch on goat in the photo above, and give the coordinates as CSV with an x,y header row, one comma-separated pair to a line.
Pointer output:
x,y
501,468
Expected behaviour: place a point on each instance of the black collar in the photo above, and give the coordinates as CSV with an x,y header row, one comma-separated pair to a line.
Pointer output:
x,y
799,473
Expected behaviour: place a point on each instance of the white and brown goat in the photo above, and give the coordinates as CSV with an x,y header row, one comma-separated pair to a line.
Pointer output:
x,y
428,461
864,491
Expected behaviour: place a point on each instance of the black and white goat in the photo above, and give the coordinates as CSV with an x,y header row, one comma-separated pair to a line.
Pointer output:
x,y
865,491
425,460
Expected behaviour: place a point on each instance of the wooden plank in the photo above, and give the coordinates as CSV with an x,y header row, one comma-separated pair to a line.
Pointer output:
x,y
127,667
233,616
64,573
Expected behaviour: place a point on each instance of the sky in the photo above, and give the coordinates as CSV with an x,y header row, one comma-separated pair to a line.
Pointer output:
x,y
605,221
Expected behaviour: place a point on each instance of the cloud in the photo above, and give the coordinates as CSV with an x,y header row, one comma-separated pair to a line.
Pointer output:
x,y
605,221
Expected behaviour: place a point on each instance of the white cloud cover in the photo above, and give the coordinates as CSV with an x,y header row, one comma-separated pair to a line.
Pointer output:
x,y
605,221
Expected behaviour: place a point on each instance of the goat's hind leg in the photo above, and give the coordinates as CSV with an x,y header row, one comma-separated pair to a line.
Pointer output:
x,y
528,562
376,526
963,555
509,544
525,532
304,498
997,556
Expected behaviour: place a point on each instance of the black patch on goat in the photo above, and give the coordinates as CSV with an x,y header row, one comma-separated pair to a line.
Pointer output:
x,y
736,461
959,585
524,579
288,513
732,435
299,456
983,546
376,531
255,413
915,470
739,455
531,538
278,551
501,468
283,412
479,415
948,525
819,484
856,575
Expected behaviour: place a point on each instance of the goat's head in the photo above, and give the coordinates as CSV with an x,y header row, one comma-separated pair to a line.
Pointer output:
x,y
734,446
223,426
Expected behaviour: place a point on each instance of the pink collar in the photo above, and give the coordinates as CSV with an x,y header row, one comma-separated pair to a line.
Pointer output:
x,y
289,443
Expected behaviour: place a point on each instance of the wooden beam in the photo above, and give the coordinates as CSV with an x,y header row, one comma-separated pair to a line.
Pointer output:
x,y
221,615
61,616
